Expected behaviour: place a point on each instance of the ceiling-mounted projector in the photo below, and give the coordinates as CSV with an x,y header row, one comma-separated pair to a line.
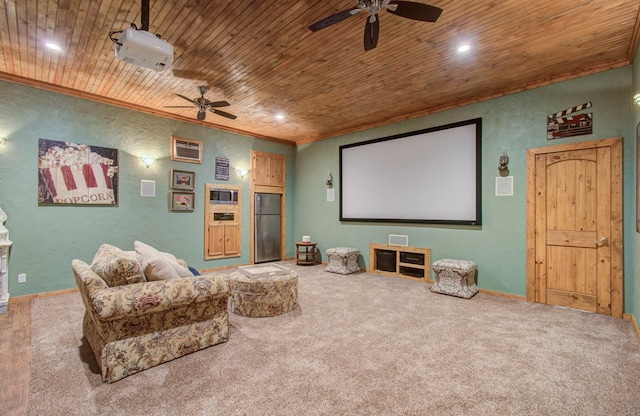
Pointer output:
x,y
141,48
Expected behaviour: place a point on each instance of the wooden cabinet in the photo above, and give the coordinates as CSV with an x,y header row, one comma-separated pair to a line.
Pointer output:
x,y
222,226
413,263
224,240
269,169
269,175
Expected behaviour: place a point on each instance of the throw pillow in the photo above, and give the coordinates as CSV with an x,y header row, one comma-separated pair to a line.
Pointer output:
x,y
158,265
156,268
116,267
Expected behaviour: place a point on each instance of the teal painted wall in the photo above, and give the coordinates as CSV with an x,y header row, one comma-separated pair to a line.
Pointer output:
x,y
634,270
514,123
46,238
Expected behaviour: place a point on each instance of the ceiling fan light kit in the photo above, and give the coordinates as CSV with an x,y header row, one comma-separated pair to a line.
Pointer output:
x,y
203,104
407,9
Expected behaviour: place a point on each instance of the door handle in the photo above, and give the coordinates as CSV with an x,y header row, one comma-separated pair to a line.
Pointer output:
x,y
601,241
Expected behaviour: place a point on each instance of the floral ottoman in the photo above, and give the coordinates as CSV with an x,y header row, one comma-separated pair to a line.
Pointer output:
x,y
263,296
455,277
342,260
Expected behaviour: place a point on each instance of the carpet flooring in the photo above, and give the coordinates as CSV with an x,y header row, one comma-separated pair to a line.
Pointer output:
x,y
359,344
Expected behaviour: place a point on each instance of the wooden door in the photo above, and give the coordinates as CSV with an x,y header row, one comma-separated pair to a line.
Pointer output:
x,y
574,207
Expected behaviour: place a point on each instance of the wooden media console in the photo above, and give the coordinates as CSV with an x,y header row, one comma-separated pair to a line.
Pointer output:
x,y
411,263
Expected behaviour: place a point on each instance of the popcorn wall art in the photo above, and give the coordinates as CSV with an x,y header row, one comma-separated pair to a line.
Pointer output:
x,y
77,174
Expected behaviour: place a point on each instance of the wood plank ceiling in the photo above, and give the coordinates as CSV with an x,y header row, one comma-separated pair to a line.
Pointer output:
x,y
260,56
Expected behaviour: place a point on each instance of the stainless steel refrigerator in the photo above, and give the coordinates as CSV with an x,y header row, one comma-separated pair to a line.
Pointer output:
x,y
267,227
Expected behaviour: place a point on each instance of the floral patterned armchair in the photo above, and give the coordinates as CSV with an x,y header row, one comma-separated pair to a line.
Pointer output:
x,y
133,324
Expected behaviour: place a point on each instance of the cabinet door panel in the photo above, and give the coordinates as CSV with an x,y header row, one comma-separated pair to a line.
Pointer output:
x,y
231,243
261,170
216,240
277,171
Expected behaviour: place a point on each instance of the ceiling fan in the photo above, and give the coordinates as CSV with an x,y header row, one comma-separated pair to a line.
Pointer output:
x,y
202,104
407,9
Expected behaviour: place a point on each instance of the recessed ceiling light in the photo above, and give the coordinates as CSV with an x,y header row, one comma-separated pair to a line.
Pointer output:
x,y
464,48
280,116
53,46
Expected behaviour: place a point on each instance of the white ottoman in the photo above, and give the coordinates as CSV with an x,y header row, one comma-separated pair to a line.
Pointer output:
x,y
455,277
342,260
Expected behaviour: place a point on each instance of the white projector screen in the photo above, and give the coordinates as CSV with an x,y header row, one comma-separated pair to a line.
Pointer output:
x,y
425,176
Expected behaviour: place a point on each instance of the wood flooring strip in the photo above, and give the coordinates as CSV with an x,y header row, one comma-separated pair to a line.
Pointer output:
x,y
15,348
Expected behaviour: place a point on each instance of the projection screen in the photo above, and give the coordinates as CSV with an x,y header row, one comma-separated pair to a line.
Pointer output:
x,y
425,176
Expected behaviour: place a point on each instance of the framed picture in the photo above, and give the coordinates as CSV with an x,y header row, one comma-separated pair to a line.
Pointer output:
x,y
182,201
186,150
181,179
77,174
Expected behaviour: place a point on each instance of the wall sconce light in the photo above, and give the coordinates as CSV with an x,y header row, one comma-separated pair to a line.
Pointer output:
x,y
148,161
504,161
636,98
329,180
242,172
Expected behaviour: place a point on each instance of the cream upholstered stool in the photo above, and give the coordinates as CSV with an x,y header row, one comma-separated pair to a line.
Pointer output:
x,y
455,277
342,260
259,297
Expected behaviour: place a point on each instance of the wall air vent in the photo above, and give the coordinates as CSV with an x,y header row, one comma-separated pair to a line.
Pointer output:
x,y
398,240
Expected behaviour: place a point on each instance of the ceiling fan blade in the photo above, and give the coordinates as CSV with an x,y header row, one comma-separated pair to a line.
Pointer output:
x,y
202,114
371,32
194,102
415,11
218,104
222,113
178,106
333,19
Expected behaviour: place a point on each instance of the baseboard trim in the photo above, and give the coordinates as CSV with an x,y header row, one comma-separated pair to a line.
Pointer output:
x,y
502,294
29,298
629,317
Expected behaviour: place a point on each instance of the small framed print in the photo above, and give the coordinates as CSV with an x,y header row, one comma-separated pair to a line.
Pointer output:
x,y
186,150
182,201
181,179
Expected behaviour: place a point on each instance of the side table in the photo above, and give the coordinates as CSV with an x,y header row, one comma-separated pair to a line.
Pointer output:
x,y
306,253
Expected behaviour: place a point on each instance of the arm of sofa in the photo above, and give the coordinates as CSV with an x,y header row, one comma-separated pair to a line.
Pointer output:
x,y
151,297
